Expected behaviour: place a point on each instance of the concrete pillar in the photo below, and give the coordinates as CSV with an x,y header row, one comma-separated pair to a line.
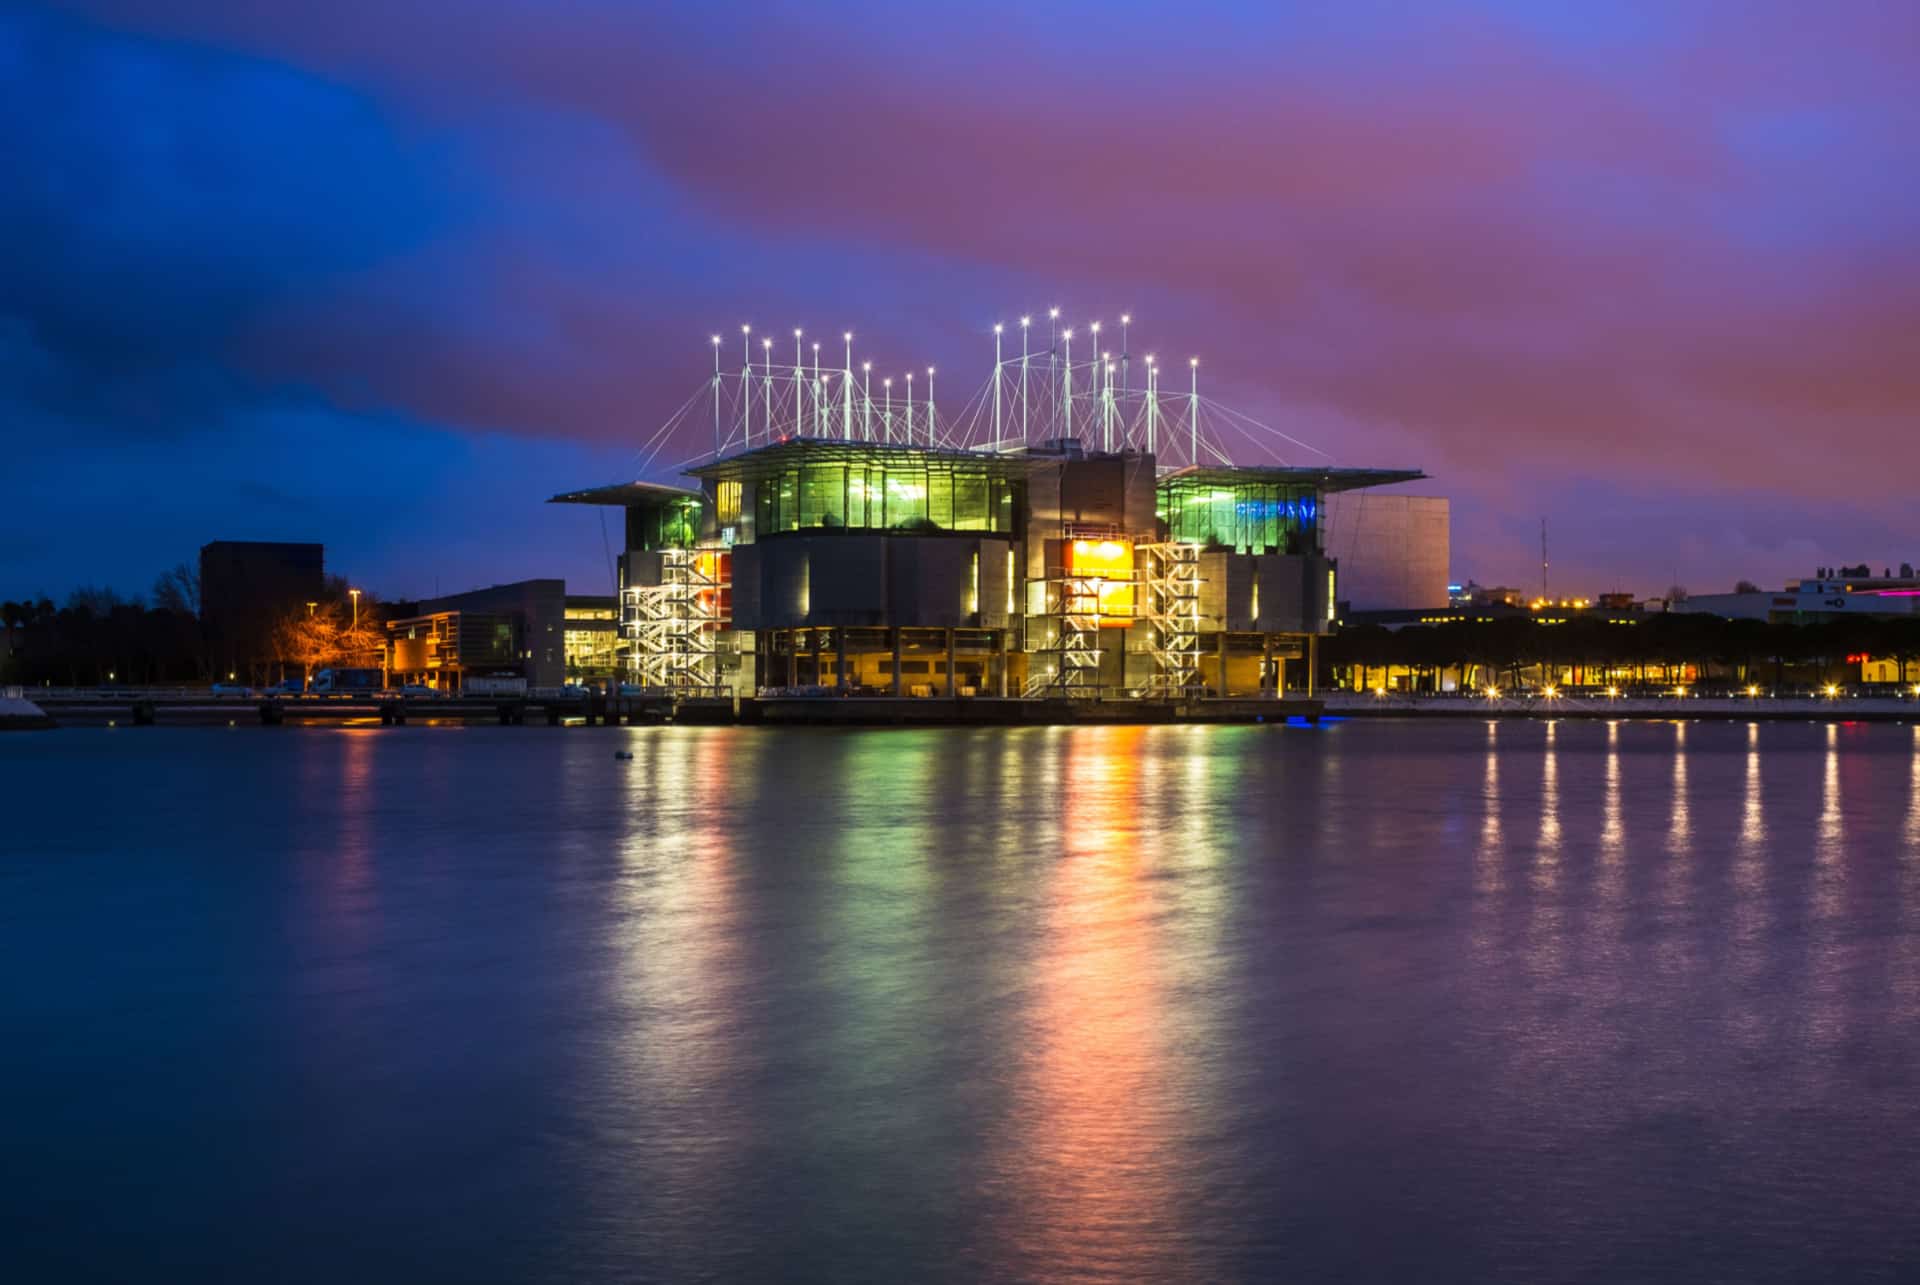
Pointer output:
x,y
841,659
896,661
814,635
1000,638
1266,660
1280,676
1313,662
951,688
1223,662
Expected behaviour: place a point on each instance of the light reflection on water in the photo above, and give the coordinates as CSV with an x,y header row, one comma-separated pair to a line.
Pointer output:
x,y
1474,1001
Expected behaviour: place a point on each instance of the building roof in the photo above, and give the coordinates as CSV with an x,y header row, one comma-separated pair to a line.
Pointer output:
x,y
1327,480
762,461
623,494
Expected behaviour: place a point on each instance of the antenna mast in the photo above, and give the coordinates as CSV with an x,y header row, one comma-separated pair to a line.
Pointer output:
x,y
1543,558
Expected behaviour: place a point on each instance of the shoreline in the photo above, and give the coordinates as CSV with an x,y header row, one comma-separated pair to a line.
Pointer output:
x,y
1743,709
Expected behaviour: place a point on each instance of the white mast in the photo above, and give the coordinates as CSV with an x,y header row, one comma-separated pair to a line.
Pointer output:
x,y
886,417
799,407
1126,319
930,419
909,408
746,388
1153,404
996,385
1053,346
1093,371
1193,414
1066,394
866,401
819,410
1024,322
846,382
766,366
1106,406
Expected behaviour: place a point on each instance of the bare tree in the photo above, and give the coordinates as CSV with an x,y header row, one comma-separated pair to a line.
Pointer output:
x,y
178,590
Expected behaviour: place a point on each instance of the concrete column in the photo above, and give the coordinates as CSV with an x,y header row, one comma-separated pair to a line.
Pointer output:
x,y
1280,676
951,689
1266,660
896,661
1005,660
1223,662
1313,662
815,634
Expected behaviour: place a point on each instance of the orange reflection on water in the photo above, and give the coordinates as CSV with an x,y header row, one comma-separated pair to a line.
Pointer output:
x,y
1097,1150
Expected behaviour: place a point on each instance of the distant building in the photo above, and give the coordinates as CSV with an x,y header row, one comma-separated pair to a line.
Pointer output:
x,y
514,629
1393,550
591,638
1820,598
246,588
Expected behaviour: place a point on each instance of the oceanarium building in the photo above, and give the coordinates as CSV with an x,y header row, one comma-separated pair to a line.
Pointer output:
x,y
1073,533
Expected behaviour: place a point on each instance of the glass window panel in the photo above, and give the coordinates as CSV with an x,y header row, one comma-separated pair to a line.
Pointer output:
x,y
906,496
971,510
940,498
823,496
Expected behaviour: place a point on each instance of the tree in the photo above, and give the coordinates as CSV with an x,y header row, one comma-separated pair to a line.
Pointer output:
x,y
178,590
311,638
1746,586
96,600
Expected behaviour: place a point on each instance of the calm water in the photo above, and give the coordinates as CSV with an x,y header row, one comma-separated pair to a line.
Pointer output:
x,y
1445,1001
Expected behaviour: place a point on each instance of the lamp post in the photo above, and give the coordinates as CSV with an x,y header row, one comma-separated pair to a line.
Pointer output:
x,y
355,595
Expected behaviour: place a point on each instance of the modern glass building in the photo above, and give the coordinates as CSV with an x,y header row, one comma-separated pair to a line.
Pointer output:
x,y
822,566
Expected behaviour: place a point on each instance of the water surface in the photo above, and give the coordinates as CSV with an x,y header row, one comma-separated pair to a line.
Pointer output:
x,y
1447,1001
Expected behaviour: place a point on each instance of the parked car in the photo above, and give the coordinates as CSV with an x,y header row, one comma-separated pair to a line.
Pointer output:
x,y
231,690
288,687
420,691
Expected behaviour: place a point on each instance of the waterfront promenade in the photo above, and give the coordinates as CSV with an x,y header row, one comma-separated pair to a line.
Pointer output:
x,y
1841,708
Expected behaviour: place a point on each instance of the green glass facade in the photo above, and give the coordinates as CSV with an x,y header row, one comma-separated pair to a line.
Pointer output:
x,y
898,494
666,524
1247,516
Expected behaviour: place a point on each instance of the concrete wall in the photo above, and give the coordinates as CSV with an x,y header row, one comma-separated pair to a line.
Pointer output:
x,y
879,580
1292,598
1394,550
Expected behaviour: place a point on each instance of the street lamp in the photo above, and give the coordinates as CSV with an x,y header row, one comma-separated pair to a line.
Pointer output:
x,y
355,595
310,607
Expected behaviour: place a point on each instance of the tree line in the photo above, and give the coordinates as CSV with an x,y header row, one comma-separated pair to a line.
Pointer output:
x,y
101,636
1661,647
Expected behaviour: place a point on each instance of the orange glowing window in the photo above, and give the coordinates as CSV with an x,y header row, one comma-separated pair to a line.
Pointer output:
x,y
1107,566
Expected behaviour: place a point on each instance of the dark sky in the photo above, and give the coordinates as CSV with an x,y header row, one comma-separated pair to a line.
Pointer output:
x,y
386,275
